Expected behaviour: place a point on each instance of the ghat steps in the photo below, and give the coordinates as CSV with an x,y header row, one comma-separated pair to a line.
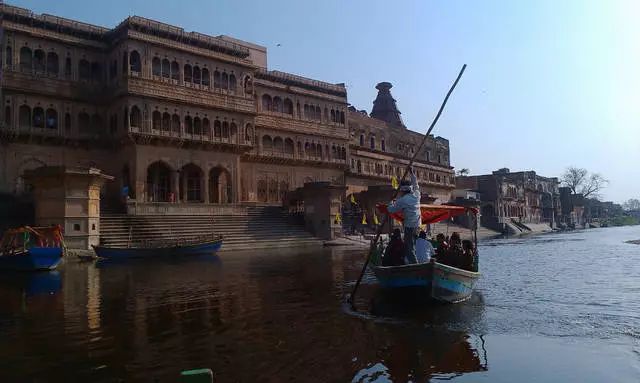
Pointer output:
x,y
260,227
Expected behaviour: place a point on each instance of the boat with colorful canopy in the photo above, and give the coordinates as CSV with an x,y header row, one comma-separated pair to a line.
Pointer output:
x,y
31,248
445,283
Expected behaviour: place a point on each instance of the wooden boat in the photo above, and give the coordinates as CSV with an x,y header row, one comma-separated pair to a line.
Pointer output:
x,y
442,282
195,247
31,248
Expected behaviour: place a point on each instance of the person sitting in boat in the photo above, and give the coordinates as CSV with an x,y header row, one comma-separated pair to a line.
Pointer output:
x,y
470,256
394,253
424,250
441,242
409,205
455,241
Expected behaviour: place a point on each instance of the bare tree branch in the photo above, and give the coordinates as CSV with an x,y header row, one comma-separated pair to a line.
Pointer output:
x,y
573,178
463,172
632,204
581,182
593,186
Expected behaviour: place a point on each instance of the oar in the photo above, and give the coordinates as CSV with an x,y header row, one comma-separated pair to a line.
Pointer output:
x,y
395,193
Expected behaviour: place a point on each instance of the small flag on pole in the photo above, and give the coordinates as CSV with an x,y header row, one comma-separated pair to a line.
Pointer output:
x,y
338,219
375,219
364,219
394,182
353,200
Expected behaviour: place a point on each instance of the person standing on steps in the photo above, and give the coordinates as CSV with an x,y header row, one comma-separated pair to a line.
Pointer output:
x,y
409,205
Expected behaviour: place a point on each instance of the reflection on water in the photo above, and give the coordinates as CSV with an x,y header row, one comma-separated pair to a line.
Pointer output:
x,y
280,316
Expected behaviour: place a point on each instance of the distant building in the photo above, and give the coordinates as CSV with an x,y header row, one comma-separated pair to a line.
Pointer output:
x,y
507,197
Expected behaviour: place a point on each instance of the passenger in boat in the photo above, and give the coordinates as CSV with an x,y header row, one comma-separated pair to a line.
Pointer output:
x,y
394,253
409,205
424,250
455,242
470,256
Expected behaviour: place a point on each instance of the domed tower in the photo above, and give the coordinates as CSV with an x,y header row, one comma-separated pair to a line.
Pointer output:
x,y
384,106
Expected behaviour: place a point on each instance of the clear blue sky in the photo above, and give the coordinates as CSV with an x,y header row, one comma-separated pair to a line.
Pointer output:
x,y
549,84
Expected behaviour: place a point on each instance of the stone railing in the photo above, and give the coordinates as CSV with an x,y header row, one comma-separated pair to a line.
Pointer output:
x,y
192,208
302,126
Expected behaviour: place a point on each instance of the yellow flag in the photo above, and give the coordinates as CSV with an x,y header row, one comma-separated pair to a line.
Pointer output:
x,y
375,219
364,219
394,182
338,219
353,200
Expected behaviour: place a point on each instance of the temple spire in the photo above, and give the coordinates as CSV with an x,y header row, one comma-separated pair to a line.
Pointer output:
x,y
384,106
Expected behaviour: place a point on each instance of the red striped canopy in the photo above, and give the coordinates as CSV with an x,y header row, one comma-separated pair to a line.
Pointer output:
x,y
432,213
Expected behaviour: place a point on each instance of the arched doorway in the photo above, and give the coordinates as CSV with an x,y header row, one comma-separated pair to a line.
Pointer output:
x,y
158,182
191,183
220,190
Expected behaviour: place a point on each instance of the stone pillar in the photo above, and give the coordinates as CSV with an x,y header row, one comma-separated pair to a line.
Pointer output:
x,y
322,201
175,186
205,188
69,196
184,187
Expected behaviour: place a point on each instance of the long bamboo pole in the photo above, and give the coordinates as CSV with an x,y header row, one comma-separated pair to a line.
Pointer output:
x,y
395,193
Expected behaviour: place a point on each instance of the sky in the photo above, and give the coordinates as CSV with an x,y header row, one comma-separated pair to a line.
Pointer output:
x,y
549,84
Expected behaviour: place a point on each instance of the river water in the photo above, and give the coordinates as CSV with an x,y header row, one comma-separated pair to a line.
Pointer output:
x,y
553,308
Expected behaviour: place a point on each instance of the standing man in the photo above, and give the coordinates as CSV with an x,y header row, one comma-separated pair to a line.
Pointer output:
x,y
409,205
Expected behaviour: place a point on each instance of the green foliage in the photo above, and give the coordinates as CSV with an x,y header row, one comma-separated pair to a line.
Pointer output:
x,y
621,220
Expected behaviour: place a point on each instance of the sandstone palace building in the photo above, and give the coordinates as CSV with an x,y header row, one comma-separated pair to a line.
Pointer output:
x,y
185,118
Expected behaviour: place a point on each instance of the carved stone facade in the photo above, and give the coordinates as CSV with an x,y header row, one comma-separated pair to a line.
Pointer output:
x,y
184,117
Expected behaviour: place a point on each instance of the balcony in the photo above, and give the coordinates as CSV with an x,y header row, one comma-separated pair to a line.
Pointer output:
x,y
280,157
166,90
146,133
283,122
60,86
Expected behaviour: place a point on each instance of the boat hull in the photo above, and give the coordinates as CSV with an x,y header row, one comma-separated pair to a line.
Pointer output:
x,y
173,251
443,283
34,259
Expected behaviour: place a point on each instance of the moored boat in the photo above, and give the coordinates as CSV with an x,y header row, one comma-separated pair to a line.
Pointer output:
x,y
442,282
31,248
199,246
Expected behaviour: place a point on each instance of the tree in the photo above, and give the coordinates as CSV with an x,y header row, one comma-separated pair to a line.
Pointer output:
x,y
632,204
581,182
463,172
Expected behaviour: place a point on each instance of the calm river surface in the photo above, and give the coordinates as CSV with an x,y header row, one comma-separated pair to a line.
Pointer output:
x,y
552,308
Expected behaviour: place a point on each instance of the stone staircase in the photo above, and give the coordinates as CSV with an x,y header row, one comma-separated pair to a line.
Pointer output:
x,y
259,227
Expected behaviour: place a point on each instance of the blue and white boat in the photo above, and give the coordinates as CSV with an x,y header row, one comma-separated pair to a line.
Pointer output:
x,y
197,247
31,248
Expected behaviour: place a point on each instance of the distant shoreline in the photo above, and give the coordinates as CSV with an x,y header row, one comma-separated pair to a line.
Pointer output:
x,y
634,242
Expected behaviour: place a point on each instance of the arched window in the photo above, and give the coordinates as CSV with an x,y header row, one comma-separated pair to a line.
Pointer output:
x,y
288,146
216,79
225,81
84,122
342,117
318,115
334,153
206,127
166,122
156,66
53,66
188,125
267,145
298,110
248,135
24,118
217,129
206,78
197,75
8,57
96,72
7,115
359,166
197,126
333,116
134,119
266,102
175,124
326,115
166,68
232,83
67,122
233,131
278,145
287,107
175,71
134,62
67,67
84,70
277,104
156,120
26,59
362,140
344,154
382,145
38,61
306,111
51,119
225,129
373,142
38,117
188,73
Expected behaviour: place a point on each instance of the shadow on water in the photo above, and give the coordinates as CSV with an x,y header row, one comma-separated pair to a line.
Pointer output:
x,y
32,283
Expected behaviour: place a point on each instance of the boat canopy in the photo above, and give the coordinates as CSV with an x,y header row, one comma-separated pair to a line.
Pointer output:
x,y
432,213
25,236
